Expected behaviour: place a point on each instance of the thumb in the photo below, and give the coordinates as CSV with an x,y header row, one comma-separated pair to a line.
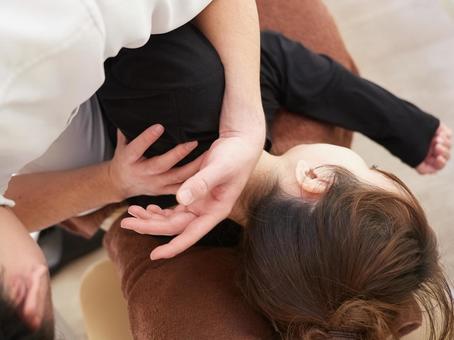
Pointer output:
x,y
199,185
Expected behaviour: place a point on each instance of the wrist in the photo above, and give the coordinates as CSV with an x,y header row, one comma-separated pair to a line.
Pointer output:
x,y
114,185
243,118
254,136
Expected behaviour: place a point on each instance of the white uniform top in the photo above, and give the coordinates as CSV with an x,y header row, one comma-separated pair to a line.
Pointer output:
x,y
51,61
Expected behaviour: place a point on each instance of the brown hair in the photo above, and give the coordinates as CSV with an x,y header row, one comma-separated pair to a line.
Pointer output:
x,y
345,266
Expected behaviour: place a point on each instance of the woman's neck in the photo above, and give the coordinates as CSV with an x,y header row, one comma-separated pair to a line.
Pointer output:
x,y
264,175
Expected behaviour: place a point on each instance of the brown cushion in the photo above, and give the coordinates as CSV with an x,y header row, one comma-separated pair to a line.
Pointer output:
x,y
192,296
306,21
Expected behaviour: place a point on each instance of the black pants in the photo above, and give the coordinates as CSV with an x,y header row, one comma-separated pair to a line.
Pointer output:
x,y
177,79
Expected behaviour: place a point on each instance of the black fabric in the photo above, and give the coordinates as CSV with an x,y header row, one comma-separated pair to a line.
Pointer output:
x,y
177,80
314,85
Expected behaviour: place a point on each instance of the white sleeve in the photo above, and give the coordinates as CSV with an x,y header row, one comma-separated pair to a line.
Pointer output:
x,y
52,59
4,202
84,142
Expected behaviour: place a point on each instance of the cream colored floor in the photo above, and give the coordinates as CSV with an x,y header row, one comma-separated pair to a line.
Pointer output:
x,y
406,46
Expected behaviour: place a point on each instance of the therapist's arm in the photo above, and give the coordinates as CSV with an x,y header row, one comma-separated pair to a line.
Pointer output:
x,y
233,29
44,199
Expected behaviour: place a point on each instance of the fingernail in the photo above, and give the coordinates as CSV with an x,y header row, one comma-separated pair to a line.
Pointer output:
x,y
191,145
158,128
154,256
185,197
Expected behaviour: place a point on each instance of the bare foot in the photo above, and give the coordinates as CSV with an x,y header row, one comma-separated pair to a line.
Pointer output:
x,y
439,152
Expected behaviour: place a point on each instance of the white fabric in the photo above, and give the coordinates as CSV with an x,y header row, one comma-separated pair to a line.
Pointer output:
x,y
51,61
4,202
84,142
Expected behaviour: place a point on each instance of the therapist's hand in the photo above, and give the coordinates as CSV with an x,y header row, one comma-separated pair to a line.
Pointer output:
x,y
132,174
205,199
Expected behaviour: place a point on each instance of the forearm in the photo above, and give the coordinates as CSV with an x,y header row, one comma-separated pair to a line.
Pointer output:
x,y
232,27
43,199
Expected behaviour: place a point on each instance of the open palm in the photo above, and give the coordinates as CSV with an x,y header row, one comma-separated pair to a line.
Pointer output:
x,y
205,199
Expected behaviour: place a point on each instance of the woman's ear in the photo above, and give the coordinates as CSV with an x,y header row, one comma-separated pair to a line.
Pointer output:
x,y
313,181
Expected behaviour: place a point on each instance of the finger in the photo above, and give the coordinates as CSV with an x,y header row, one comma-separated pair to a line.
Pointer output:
x,y
121,139
199,185
445,142
165,227
198,228
164,162
180,208
442,141
425,169
181,174
147,216
440,162
445,131
139,212
445,136
430,160
171,189
138,225
161,215
441,150
137,147
153,208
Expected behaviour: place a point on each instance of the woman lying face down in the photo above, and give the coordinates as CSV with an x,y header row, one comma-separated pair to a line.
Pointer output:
x,y
333,247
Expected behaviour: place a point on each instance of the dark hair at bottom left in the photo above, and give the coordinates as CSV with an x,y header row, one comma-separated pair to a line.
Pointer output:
x,y
13,326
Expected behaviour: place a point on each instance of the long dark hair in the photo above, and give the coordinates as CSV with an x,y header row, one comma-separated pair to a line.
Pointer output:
x,y
345,266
